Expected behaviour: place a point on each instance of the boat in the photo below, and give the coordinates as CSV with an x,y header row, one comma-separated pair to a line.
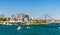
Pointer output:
x,y
13,23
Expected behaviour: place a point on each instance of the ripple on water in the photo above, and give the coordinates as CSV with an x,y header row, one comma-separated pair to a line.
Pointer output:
x,y
33,30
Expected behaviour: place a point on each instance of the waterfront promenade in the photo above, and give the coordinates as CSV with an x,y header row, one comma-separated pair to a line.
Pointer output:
x,y
35,22
26,19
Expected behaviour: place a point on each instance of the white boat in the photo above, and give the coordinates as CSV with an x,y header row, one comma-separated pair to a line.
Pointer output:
x,y
13,23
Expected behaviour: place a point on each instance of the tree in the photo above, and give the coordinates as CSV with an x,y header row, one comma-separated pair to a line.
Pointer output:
x,y
8,19
4,19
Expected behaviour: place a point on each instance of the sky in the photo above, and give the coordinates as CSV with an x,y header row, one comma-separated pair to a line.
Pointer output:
x,y
34,8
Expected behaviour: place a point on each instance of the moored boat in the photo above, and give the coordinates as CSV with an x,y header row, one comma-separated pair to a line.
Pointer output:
x,y
13,23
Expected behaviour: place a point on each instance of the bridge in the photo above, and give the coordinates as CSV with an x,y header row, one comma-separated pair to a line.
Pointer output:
x,y
48,18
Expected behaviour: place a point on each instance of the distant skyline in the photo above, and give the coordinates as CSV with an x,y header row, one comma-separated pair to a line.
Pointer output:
x,y
34,8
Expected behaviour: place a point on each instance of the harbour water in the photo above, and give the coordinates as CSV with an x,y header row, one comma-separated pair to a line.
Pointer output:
x,y
30,30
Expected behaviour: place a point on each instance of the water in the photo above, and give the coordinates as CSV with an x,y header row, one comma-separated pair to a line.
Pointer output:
x,y
31,30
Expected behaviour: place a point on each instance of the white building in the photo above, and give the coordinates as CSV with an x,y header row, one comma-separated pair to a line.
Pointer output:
x,y
1,15
21,16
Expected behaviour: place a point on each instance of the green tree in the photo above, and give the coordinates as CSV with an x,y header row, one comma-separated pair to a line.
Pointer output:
x,y
4,19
